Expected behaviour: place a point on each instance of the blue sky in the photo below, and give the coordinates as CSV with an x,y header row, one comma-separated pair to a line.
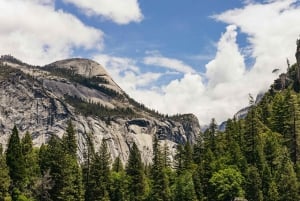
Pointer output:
x,y
201,57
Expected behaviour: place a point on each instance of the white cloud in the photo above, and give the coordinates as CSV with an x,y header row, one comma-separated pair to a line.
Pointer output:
x,y
119,11
126,73
35,32
228,65
170,63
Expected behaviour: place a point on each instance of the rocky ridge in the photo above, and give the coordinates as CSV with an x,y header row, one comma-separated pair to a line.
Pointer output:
x,y
41,100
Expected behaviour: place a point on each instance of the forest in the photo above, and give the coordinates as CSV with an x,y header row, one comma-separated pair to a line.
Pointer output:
x,y
256,159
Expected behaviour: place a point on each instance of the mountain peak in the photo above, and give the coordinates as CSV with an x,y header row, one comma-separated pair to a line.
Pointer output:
x,y
87,68
84,67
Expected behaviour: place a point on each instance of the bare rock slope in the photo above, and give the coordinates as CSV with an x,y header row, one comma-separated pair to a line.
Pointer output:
x,y
41,100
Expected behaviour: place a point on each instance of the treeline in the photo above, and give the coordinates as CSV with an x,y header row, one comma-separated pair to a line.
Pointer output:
x,y
97,109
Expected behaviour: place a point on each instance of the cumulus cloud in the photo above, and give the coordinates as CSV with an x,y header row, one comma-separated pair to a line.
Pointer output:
x,y
119,11
126,73
35,32
228,64
170,63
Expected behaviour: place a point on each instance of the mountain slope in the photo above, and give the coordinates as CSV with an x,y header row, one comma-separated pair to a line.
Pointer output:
x,y
41,100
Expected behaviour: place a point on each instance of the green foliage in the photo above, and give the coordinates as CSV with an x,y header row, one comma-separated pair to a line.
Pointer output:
x,y
69,140
96,109
99,182
15,160
4,177
160,190
184,188
135,172
227,184
32,168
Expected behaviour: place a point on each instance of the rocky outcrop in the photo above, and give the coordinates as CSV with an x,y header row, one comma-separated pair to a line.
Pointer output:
x,y
34,99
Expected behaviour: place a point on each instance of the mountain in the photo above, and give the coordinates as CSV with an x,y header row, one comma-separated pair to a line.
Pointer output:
x,y
42,99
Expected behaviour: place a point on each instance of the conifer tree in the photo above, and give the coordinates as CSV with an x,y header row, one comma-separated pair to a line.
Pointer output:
x,y
88,157
69,140
64,170
292,136
135,172
4,177
160,190
119,182
100,174
184,188
117,166
31,164
253,185
288,185
251,134
15,161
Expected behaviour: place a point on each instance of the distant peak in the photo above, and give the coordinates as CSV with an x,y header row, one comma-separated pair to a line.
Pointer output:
x,y
84,67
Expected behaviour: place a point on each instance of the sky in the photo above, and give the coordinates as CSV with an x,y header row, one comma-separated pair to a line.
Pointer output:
x,y
202,57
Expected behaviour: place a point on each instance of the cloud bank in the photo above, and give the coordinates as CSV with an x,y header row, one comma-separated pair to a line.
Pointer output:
x,y
119,11
37,33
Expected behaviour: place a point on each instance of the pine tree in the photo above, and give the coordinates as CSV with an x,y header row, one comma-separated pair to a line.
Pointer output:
x,y
253,185
179,159
251,135
160,184
31,164
288,186
135,172
184,188
292,136
64,170
99,183
69,140
117,165
272,194
15,161
4,177
210,136
88,157
119,182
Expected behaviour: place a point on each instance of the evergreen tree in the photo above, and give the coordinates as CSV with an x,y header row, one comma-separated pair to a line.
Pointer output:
x,y
253,185
292,136
69,140
64,170
160,190
188,157
31,164
165,156
288,186
99,183
117,166
119,182
210,136
4,177
179,159
251,135
15,161
88,158
272,194
184,189
135,172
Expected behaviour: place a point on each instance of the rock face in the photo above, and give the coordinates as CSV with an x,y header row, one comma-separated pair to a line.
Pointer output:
x,y
41,100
